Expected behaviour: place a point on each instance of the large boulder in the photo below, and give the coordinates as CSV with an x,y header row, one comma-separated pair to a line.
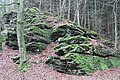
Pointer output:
x,y
81,47
36,31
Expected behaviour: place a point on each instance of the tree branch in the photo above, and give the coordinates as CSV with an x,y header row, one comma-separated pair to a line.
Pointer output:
x,y
9,4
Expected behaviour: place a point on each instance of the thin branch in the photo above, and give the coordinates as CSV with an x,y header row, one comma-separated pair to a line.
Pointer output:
x,y
9,4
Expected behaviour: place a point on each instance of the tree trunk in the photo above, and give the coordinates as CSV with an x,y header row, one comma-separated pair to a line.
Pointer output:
x,y
88,20
50,6
95,16
61,8
85,13
20,33
78,13
69,9
40,5
115,19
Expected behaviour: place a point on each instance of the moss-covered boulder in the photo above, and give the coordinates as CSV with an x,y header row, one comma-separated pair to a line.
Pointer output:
x,y
37,32
72,30
83,48
66,66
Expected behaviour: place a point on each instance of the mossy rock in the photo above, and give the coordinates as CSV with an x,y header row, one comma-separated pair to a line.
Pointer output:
x,y
89,63
93,34
66,66
35,48
36,39
37,32
65,30
84,48
85,64
109,43
73,39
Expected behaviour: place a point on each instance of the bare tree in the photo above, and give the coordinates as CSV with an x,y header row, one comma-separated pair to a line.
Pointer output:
x,y
95,15
116,29
69,9
62,8
20,33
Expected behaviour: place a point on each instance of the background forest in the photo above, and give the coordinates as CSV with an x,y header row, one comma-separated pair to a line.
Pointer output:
x,y
101,16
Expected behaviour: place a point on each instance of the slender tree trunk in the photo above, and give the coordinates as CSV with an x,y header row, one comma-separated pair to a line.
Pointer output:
x,y
61,9
85,13
20,33
45,6
53,6
75,13
116,30
75,17
40,5
69,10
100,26
95,15
4,6
78,13
50,6
58,8
88,20
108,26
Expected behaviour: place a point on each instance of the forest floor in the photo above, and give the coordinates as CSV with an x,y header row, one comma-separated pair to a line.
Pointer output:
x,y
41,71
